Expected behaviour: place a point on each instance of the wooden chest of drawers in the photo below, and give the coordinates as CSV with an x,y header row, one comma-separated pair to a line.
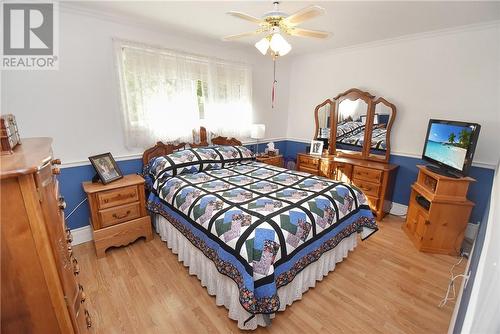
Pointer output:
x,y
118,212
276,160
41,292
375,179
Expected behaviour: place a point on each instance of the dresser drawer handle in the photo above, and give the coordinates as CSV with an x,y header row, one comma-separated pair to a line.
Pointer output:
x,y
56,171
83,297
88,319
56,162
122,216
76,267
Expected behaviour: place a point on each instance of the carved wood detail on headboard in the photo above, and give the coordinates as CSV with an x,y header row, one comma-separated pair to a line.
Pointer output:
x,y
225,141
161,149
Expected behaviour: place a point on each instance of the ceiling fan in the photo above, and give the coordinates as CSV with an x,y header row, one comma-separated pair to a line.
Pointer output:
x,y
274,23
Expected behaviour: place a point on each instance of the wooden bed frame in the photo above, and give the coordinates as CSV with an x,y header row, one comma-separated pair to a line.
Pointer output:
x,y
163,149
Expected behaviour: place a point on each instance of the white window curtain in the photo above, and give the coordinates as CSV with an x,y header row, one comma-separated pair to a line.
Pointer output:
x,y
159,95
228,108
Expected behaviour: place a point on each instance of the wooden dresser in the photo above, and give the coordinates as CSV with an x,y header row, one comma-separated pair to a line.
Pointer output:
x,y
40,288
118,212
375,179
438,212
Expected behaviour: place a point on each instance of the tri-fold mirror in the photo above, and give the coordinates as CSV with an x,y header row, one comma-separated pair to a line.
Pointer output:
x,y
355,124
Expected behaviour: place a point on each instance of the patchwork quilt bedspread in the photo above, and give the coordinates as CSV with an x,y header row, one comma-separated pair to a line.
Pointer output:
x,y
259,224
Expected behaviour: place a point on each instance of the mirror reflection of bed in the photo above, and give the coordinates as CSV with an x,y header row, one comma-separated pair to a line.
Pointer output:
x,y
351,123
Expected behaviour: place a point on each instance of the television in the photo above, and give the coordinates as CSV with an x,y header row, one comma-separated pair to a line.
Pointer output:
x,y
450,146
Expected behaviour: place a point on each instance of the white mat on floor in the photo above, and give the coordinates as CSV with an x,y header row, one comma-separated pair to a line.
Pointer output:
x,y
225,289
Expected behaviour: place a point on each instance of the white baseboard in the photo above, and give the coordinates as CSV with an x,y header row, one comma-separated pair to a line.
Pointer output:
x,y
398,209
81,235
84,234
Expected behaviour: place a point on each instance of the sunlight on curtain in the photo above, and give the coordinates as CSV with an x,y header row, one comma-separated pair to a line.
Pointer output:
x,y
228,108
159,99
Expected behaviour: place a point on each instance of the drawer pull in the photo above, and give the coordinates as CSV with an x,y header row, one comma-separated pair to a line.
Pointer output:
x,y
122,216
119,197
56,171
427,222
83,297
56,162
88,319
62,203
76,267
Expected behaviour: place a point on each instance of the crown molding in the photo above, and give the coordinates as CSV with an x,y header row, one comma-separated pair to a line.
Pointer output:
x,y
407,38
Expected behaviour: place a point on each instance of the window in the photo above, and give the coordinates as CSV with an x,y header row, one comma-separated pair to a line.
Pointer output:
x,y
166,94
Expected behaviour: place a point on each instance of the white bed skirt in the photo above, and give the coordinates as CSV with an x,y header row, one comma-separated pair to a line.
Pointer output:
x,y
225,289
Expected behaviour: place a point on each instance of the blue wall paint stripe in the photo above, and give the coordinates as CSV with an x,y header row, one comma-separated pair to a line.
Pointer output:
x,y
71,179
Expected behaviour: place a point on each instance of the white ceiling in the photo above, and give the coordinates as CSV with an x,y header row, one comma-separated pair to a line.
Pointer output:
x,y
351,22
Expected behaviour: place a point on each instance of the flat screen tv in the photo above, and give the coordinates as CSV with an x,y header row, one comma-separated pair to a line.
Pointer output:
x,y
450,146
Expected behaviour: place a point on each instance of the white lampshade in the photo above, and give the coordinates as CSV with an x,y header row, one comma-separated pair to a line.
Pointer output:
x,y
258,131
279,45
263,45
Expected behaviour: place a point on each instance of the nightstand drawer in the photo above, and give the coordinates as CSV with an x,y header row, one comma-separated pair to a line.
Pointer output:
x,y
368,174
115,197
119,214
368,188
309,162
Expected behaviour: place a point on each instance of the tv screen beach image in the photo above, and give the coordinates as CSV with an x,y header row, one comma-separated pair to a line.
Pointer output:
x,y
448,144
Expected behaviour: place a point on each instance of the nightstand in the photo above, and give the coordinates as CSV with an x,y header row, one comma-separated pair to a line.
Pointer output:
x,y
276,160
118,212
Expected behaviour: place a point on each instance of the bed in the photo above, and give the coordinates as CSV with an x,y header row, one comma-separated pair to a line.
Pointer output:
x,y
257,236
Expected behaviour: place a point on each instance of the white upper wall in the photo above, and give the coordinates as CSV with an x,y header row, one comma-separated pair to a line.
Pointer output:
x,y
449,75
79,105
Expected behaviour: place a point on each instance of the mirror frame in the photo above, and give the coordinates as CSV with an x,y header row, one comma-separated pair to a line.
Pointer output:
x,y
391,106
353,94
316,119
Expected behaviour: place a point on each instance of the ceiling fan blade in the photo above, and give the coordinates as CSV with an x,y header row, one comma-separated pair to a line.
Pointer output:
x,y
246,17
308,33
245,34
304,14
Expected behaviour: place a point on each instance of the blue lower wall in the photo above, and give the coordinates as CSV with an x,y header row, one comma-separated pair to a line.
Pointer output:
x,y
71,179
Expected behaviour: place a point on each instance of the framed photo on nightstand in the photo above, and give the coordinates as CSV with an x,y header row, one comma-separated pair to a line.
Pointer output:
x,y
316,147
106,168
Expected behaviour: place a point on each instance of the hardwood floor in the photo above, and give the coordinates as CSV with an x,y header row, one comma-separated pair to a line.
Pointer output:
x,y
384,286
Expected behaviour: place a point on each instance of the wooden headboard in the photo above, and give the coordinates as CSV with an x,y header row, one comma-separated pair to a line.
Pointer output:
x,y
161,149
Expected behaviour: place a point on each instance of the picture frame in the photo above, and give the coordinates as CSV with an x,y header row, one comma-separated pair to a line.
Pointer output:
x,y
316,147
106,168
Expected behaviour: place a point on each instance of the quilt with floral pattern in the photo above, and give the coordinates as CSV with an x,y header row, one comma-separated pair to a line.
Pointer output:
x,y
259,224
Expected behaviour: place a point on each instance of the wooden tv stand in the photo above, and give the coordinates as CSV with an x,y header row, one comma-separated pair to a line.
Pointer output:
x,y
441,227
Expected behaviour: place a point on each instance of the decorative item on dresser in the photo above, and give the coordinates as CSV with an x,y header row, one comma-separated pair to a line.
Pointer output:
x,y
438,212
276,160
9,136
40,290
118,212
359,146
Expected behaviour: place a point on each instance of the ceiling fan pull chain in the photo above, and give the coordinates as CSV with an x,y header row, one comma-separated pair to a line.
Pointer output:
x,y
273,95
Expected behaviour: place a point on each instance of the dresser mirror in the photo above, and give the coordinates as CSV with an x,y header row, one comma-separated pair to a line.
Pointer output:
x,y
352,115
323,118
383,118
362,126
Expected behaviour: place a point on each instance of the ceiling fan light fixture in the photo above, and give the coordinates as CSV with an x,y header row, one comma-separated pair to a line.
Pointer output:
x,y
279,45
263,45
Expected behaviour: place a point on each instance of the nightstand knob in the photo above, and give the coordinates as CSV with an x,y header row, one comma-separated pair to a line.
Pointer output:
x,y
62,203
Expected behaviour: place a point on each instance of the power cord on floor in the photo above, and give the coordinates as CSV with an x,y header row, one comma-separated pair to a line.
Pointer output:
x,y
451,285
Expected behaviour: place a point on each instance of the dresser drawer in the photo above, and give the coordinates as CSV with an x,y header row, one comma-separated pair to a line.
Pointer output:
x,y
307,169
368,188
119,214
367,174
308,161
372,202
115,197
